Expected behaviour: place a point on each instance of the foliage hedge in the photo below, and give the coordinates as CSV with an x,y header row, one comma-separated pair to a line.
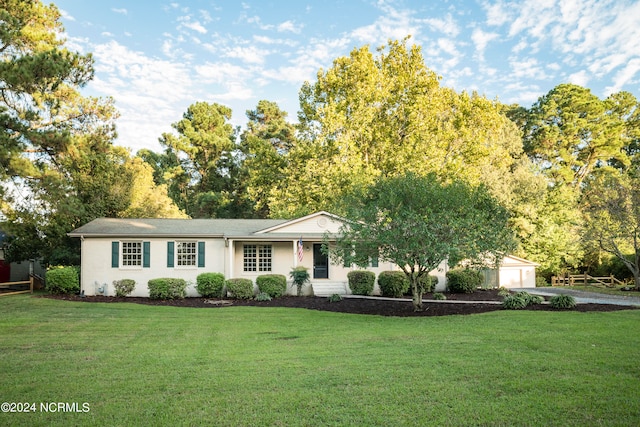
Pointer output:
x,y
210,285
393,284
167,288
62,280
124,287
361,282
273,284
463,281
240,288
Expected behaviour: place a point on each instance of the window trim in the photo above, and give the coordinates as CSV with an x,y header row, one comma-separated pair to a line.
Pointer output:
x,y
123,245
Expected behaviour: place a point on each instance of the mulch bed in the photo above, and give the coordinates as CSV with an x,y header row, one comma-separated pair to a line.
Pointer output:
x,y
353,305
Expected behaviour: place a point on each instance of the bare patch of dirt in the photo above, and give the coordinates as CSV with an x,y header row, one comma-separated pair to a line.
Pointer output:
x,y
375,306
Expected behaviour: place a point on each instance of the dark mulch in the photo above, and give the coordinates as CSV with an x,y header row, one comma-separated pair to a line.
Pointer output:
x,y
355,305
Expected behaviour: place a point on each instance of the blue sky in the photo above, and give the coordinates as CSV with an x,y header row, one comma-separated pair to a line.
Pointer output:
x,y
155,58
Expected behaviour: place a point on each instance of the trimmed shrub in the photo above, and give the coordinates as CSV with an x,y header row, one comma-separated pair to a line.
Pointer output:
x,y
361,282
393,283
439,296
210,285
562,301
167,288
62,280
275,285
263,296
463,281
428,283
240,288
124,287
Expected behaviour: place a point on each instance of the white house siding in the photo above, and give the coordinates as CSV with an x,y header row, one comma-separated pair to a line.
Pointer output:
x,y
97,271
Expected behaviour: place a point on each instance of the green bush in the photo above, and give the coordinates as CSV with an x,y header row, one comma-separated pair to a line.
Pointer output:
x,y
541,282
361,282
393,283
210,285
503,292
62,280
335,298
439,296
167,288
562,301
240,288
428,283
463,281
300,276
124,287
263,296
521,300
275,285
514,302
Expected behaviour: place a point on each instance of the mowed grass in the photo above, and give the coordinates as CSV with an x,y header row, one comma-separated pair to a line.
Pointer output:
x,y
250,366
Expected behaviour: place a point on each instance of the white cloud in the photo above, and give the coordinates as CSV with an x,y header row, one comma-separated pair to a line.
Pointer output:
x,y
289,26
481,39
66,15
185,21
581,78
445,26
120,11
248,54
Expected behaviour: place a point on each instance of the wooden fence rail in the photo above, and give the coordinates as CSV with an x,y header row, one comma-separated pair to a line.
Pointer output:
x,y
584,280
33,281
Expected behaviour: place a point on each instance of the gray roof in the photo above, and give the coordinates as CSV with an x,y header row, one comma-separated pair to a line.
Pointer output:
x,y
161,227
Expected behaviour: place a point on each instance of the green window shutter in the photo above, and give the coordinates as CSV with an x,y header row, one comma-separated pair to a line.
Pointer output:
x,y
115,254
200,254
170,254
374,262
146,254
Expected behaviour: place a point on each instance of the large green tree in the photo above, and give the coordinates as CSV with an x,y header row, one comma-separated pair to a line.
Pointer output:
x,y
59,166
40,106
417,222
569,132
383,114
266,144
203,162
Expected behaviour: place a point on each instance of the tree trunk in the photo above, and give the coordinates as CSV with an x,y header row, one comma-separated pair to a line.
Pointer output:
x,y
416,290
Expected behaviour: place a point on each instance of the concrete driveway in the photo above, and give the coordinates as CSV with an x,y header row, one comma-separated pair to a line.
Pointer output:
x,y
584,297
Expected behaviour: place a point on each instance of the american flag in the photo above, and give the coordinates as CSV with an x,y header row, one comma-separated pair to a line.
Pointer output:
x,y
300,250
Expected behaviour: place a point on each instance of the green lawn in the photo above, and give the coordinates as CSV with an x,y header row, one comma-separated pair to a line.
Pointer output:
x,y
603,290
250,366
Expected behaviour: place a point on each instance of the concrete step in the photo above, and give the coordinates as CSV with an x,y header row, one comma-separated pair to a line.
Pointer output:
x,y
325,289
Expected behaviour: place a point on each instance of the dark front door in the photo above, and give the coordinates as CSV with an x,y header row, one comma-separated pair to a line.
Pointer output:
x,y
320,263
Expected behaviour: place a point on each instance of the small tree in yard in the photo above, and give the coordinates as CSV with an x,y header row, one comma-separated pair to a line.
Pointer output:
x,y
417,223
613,217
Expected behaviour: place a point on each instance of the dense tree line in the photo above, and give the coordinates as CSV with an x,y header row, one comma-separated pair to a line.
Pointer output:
x,y
566,169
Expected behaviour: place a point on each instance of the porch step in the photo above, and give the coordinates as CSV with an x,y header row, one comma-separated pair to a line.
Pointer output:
x,y
325,289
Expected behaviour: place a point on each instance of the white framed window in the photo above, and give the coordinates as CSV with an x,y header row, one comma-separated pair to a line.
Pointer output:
x,y
186,254
257,258
131,254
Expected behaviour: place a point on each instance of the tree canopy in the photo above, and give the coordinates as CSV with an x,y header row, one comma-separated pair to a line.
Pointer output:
x,y
417,222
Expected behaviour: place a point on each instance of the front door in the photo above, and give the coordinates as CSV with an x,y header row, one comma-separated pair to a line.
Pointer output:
x,y
320,263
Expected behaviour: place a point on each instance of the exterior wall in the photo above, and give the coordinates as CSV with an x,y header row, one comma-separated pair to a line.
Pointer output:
x,y
518,277
314,224
97,272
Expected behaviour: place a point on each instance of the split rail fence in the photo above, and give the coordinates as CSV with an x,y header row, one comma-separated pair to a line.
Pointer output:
x,y
584,280
34,281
